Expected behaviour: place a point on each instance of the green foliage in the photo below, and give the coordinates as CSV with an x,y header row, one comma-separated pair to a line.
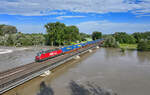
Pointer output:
x,y
122,49
144,45
71,34
123,37
55,32
20,39
110,41
138,36
1,26
7,29
85,37
60,34
96,35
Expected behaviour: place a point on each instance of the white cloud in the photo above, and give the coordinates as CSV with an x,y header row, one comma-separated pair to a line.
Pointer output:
x,y
108,27
62,17
57,13
35,7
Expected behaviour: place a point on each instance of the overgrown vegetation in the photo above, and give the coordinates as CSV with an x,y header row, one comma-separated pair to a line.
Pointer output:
x,y
139,41
7,29
96,35
110,41
56,34
59,34
144,45
9,36
85,37
124,38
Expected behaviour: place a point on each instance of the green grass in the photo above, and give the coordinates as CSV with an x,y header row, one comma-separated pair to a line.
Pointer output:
x,y
128,46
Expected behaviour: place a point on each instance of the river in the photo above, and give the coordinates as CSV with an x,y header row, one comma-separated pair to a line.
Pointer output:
x,y
106,68
11,57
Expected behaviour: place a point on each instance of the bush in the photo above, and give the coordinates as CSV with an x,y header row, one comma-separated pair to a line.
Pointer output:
x,y
144,45
111,42
96,35
123,37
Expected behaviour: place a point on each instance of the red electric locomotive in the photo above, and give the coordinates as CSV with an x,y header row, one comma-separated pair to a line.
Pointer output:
x,y
43,55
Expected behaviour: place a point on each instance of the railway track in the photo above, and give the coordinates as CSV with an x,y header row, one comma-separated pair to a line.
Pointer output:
x,y
16,76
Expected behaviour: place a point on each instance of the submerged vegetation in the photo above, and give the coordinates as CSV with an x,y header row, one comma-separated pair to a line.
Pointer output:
x,y
144,45
110,41
135,41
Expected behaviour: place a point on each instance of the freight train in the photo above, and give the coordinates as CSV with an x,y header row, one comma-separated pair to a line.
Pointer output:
x,y
44,55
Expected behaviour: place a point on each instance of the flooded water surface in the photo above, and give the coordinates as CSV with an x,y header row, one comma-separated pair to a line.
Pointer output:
x,y
11,57
105,69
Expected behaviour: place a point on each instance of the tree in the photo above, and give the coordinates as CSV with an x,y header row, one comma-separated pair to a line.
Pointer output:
x,y
71,34
110,41
60,34
1,40
38,39
1,32
10,37
96,35
138,36
7,29
55,32
47,39
84,36
144,45
123,37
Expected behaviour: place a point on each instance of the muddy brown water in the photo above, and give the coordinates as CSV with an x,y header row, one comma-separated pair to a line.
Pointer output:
x,y
19,56
123,73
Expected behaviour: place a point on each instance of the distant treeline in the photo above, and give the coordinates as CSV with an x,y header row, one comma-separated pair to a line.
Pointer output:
x,y
9,36
56,34
60,34
140,38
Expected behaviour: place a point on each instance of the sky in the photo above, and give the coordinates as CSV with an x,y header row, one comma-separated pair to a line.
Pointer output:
x,y
106,16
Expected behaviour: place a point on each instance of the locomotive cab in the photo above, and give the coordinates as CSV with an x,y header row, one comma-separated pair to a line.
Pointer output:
x,y
37,57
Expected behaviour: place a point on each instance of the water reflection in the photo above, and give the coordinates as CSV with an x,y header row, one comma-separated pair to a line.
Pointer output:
x,y
77,89
143,57
88,89
45,90
109,53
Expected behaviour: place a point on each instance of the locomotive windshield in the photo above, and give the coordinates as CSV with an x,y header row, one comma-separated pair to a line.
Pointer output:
x,y
38,54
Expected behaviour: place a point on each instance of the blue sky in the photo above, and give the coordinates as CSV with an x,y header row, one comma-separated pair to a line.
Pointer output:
x,y
107,16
